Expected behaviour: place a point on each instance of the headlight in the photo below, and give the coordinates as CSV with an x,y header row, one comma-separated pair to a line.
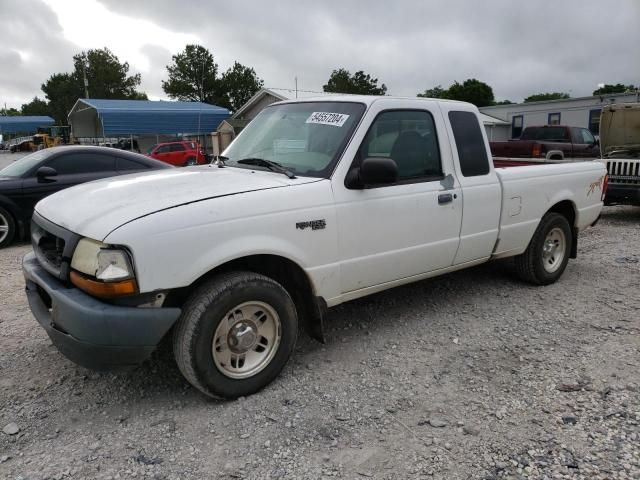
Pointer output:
x,y
102,270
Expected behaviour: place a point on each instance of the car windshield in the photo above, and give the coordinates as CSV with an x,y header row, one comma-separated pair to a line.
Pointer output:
x,y
25,164
152,148
304,138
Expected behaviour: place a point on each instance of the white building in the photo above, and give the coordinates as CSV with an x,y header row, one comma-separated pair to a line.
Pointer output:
x,y
574,112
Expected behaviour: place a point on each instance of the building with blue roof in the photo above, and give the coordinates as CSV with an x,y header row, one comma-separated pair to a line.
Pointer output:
x,y
23,124
92,118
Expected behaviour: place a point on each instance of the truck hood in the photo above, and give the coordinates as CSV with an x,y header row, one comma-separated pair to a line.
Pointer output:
x,y
96,208
620,129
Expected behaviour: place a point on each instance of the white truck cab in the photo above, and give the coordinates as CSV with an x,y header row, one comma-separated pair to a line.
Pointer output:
x,y
316,202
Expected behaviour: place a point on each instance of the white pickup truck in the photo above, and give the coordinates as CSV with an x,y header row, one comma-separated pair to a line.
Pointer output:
x,y
316,203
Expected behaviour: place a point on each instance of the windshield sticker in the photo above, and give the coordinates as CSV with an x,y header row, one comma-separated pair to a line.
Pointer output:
x,y
327,118
283,145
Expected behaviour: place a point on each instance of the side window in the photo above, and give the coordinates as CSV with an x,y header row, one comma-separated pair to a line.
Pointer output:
x,y
177,147
162,149
126,164
409,138
82,163
587,137
553,119
472,151
594,121
517,123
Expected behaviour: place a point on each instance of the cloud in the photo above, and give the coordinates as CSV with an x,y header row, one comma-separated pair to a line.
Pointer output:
x,y
33,48
518,48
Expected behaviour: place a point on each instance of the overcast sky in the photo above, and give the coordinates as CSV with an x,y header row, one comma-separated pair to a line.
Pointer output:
x,y
518,48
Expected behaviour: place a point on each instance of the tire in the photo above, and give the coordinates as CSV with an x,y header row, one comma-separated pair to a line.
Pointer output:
x,y
190,161
210,334
542,263
7,228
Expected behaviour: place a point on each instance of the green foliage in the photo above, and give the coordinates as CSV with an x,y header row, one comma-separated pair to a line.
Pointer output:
x,y
435,92
341,81
107,78
62,93
504,102
471,90
36,106
9,112
617,88
541,97
239,84
193,76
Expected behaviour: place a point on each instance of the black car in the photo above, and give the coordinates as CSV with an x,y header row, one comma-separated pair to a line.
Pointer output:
x,y
30,179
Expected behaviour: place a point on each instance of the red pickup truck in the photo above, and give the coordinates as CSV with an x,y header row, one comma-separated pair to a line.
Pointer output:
x,y
551,142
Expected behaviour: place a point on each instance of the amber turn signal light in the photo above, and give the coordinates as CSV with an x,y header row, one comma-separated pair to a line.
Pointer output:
x,y
104,289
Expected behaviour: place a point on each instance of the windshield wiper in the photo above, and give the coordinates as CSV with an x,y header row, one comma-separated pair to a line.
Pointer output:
x,y
273,166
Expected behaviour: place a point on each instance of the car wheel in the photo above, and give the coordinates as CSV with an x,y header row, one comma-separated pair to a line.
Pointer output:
x,y
236,333
547,255
191,161
7,228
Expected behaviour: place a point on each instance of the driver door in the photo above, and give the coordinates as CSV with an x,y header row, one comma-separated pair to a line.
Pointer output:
x,y
396,231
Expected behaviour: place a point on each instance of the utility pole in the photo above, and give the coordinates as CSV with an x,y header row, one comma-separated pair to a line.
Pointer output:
x,y
296,80
86,82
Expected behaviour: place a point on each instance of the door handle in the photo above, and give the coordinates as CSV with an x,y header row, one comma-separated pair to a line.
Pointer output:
x,y
445,198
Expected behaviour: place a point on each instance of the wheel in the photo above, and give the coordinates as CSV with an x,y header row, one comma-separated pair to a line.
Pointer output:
x,y
191,161
7,228
235,334
547,255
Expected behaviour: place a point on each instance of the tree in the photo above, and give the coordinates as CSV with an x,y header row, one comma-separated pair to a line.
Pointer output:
x,y
62,93
239,84
471,90
617,88
341,81
541,97
9,112
435,92
107,78
503,102
193,76
36,106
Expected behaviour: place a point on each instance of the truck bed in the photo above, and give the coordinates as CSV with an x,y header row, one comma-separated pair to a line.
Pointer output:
x,y
528,193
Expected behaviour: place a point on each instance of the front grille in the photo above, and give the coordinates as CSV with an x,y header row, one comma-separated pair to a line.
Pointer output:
x,y
53,246
48,248
626,172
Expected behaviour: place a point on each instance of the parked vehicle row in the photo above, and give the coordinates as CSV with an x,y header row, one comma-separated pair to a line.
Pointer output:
x,y
318,202
551,142
30,179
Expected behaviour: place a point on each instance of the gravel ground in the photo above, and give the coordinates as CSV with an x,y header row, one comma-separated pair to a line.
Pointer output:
x,y
473,375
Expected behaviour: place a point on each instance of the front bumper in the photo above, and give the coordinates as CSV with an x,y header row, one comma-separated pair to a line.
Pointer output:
x,y
89,332
625,194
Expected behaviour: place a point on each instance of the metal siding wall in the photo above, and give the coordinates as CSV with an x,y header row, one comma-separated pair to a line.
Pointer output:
x,y
135,123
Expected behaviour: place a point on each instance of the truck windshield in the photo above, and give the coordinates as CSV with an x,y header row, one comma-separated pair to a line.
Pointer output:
x,y
304,138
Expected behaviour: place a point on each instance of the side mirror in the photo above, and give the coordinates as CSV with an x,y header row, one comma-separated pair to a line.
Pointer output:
x,y
43,173
373,171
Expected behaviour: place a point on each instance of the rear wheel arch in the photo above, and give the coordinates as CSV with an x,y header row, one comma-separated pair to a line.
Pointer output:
x,y
567,209
286,272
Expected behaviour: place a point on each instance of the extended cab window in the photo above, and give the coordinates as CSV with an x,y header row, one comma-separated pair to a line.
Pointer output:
x,y
409,138
472,152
